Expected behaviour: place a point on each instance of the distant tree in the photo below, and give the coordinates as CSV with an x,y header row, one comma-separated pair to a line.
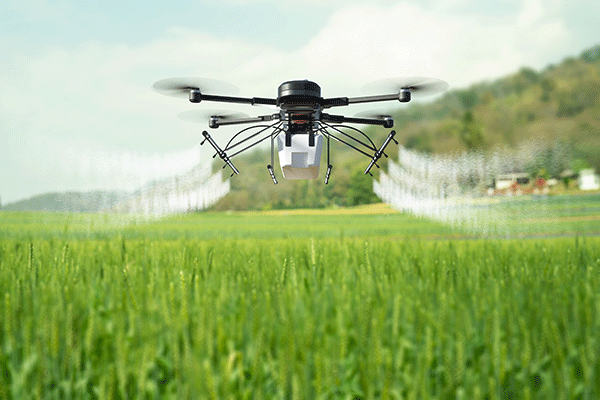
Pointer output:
x,y
591,55
578,164
569,62
529,74
570,104
299,193
449,128
524,79
335,191
360,190
468,98
487,98
412,142
471,134
547,85
419,142
551,161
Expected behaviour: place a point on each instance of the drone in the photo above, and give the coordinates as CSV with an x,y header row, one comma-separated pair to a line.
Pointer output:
x,y
300,126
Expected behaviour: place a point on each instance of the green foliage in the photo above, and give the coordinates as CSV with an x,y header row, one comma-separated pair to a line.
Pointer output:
x,y
551,162
591,55
162,316
547,86
578,164
570,104
419,142
471,133
468,98
528,105
360,190
530,76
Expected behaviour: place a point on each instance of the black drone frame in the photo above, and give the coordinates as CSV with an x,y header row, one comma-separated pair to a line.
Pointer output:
x,y
300,112
271,131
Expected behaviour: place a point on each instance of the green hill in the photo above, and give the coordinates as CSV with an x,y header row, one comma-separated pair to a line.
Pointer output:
x,y
559,104
67,202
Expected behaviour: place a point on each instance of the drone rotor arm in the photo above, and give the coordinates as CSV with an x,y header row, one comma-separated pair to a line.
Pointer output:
x,y
403,96
340,119
335,102
417,86
215,122
263,101
384,97
196,96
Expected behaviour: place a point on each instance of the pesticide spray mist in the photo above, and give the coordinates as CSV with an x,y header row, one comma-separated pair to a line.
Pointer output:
x,y
488,193
137,185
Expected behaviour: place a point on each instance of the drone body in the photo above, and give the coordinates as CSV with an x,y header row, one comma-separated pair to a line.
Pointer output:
x,y
300,126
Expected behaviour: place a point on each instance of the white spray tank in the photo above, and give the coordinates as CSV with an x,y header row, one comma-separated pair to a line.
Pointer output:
x,y
300,161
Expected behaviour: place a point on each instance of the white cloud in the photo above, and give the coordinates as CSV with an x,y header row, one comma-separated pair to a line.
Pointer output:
x,y
363,43
73,87
98,95
368,43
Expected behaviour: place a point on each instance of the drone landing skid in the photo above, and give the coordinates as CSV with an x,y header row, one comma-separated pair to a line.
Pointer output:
x,y
380,152
220,152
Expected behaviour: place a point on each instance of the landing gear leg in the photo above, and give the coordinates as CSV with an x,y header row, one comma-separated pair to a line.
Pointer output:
x,y
329,166
270,166
220,152
380,152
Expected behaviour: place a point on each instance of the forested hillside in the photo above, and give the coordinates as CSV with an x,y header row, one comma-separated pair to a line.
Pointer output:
x,y
558,105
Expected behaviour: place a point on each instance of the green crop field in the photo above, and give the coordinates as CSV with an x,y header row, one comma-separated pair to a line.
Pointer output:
x,y
348,304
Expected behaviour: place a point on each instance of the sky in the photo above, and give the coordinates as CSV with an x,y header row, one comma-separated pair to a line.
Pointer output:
x,y
77,111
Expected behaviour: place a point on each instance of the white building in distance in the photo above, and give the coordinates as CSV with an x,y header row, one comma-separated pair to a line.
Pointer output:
x,y
588,180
